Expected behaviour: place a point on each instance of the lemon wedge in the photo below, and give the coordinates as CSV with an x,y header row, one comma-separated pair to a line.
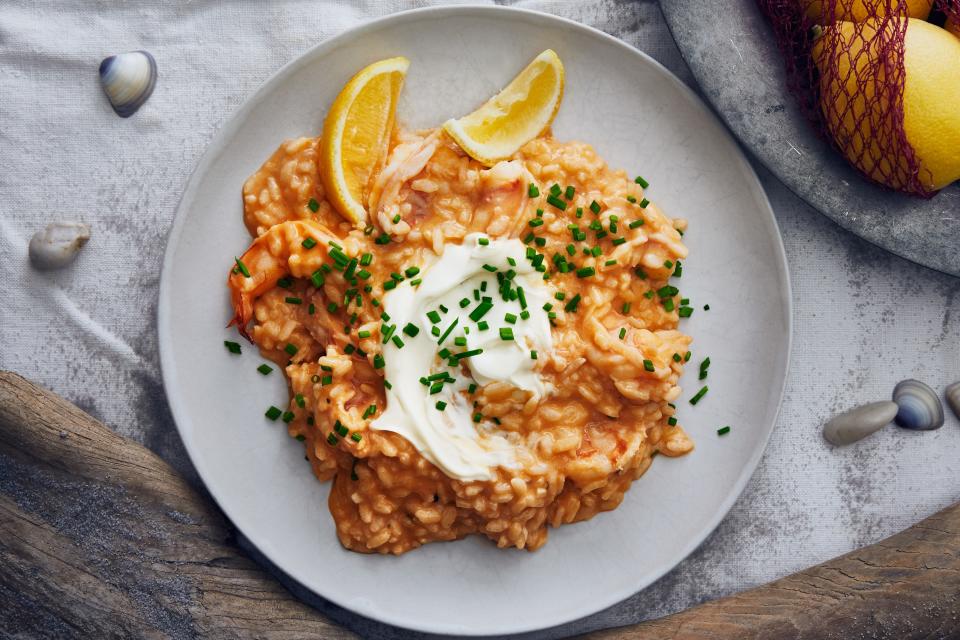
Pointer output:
x,y
356,134
516,115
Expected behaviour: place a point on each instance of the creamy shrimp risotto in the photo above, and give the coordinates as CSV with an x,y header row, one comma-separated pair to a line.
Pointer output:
x,y
495,352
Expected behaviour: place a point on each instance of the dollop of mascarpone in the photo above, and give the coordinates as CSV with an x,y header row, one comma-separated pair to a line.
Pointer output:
x,y
450,438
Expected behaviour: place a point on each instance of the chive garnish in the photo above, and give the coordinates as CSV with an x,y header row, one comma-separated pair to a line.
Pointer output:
x,y
644,203
483,241
695,399
273,413
441,405
635,224
232,347
623,332
265,369
447,332
672,421
291,349
585,272
556,202
369,411
706,307
433,316
648,365
506,333
363,334
640,181
668,304
242,267
325,380
480,311
332,439
383,238
293,300
460,341
595,206
309,243
482,325
314,205
468,354
411,329
378,362
532,190
490,268
676,357
510,318
299,399
536,222
569,193
339,429
572,305
356,437
722,431
287,416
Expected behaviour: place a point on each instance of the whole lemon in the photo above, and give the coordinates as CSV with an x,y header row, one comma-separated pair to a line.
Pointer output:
x,y
861,10
847,55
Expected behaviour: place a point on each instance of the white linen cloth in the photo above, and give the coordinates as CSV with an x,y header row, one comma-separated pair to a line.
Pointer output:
x,y
864,319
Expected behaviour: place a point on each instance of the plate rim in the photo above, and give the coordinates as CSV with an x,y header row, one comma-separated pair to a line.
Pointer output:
x,y
231,126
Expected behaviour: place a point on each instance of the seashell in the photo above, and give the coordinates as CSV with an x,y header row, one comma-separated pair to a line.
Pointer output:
x,y
920,407
58,244
128,80
858,423
953,397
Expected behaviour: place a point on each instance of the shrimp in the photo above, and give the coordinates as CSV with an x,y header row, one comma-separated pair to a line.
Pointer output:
x,y
407,160
277,253
503,198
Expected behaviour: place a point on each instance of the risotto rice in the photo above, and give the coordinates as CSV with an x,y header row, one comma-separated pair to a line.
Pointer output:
x,y
613,369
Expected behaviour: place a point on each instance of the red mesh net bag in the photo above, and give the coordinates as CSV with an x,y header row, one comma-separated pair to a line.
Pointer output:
x,y
845,67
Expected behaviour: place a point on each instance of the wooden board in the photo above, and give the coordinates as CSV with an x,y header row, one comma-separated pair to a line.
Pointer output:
x,y
157,559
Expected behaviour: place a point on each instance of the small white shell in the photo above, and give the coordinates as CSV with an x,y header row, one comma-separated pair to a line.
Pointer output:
x,y
920,408
953,397
128,80
58,244
858,423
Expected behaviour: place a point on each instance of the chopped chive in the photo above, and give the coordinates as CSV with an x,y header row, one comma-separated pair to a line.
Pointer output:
x,y
363,334
265,369
356,437
325,380
667,291
480,311
595,206
441,405
332,439
242,267
623,332
386,383
648,295
585,272
631,199
411,329
686,356
640,181
644,203
447,332
411,271
579,212
396,219
572,305
468,354
339,429
560,295
506,333
722,431
436,388
472,388
569,192
309,243
490,268
383,238
433,316
533,190
443,309
528,238
556,202
483,241
435,330
273,413
348,349
299,399
293,300
232,347
685,312
291,349
510,318
706,307
695,399
314,205
389,285
287,416
317,278
626,308
668,304
363,274
372,409
540,242
533,354
640,273
477,417
636,223
555,189
482,325
378,362
648,365
677,358
618,241
672,421
536,222
366,259
460,341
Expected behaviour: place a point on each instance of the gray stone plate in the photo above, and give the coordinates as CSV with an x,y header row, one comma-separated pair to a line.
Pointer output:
x,y
730,50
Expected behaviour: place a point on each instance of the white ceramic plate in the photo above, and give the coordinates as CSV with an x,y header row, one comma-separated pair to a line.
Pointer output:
x,y
639,117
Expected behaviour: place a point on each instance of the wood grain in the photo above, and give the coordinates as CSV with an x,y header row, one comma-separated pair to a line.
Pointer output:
x,y
155,559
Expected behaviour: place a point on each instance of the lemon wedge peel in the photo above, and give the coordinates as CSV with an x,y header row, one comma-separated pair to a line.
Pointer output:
x,y
356,135
524,109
